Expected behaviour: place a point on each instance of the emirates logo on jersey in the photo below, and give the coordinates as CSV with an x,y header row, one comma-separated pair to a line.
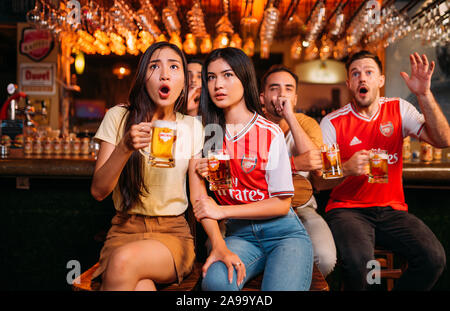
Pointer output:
x,y
248,163
387,129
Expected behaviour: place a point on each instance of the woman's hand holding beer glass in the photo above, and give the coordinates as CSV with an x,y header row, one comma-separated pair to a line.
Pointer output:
x,y
216,169
161,137
202,167
137,137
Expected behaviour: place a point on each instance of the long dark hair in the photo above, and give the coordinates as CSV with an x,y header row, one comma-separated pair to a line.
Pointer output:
x,y
243,67
141,108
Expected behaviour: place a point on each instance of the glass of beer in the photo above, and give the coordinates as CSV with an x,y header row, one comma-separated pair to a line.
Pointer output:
x,y
162,146
219,176
378,166
331,161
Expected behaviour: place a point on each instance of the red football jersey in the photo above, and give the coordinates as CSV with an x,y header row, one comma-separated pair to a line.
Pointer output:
x,y
259,164
394,120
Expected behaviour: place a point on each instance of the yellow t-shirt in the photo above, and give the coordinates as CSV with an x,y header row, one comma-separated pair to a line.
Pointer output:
x,y
167,186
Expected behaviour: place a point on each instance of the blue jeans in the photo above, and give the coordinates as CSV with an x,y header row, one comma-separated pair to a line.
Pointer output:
x,y
280,247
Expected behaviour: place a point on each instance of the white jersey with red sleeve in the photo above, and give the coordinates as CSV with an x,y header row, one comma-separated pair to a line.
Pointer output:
x,y
394,120
259,164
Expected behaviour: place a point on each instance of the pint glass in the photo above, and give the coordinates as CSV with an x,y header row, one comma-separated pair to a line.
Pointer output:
x,y
219,176
331,161
426,152
162,146
378,166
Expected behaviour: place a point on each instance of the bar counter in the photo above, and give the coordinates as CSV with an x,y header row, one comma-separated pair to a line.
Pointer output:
x,y
49,217
435,173
16,164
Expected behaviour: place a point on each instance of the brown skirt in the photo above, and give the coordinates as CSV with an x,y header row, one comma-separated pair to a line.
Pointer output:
x,y
172,231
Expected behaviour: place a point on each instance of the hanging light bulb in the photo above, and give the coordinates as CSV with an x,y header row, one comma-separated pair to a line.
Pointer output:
x,y
221,41
121,70
206,45
175,39
79,63
249,47
296,49
131,43
189,45
236,41
145,40
161,38
325,48
117,44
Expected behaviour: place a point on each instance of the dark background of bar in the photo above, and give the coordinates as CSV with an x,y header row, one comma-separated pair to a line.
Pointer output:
x,y
57,221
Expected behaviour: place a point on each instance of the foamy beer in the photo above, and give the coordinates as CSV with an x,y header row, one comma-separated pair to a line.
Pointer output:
x,y
378,166
331,161
219,175
162,146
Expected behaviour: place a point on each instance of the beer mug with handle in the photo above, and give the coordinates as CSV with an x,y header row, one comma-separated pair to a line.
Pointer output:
x,y
331,161
378,166
219,175
162,146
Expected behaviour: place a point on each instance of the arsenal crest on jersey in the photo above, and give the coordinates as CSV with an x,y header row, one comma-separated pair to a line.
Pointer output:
x,y
387,129
248,163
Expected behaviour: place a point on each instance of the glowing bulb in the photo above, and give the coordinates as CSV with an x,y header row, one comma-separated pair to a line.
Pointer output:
x,y
79,63
206,45
189,45
175,39
249,47
296,49
221,41
236,41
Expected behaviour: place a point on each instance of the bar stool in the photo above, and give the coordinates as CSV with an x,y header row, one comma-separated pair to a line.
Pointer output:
x,y
386,259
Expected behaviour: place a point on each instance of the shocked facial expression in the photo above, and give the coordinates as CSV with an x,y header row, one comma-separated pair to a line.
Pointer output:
x,y
165,77
224,87
278,84
364,81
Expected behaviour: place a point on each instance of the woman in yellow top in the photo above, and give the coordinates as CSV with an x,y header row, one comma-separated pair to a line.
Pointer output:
x,y
149,241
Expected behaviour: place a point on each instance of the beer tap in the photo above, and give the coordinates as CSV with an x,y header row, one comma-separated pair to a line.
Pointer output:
x,y
12,102
29,111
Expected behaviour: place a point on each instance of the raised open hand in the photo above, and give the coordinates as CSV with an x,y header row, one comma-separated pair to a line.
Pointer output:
x,y
421,71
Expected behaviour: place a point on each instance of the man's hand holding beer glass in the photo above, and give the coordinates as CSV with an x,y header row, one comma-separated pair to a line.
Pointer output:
x,y
358,164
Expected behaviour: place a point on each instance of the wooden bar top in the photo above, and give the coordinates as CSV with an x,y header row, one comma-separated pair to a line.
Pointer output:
x,y
435,173
17,164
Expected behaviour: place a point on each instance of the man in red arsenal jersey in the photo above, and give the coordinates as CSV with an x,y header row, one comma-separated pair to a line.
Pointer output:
x,y
362,214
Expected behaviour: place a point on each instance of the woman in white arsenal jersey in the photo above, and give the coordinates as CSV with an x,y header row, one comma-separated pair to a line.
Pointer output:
x,y
264,235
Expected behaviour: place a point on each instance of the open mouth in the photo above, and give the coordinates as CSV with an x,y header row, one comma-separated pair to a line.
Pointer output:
x,y
363,90
164,91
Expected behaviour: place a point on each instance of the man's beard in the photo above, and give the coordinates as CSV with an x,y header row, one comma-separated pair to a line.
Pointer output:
x,y
365,103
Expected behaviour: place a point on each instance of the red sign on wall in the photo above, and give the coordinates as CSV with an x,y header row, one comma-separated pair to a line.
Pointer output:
x,y
37,78
36,43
